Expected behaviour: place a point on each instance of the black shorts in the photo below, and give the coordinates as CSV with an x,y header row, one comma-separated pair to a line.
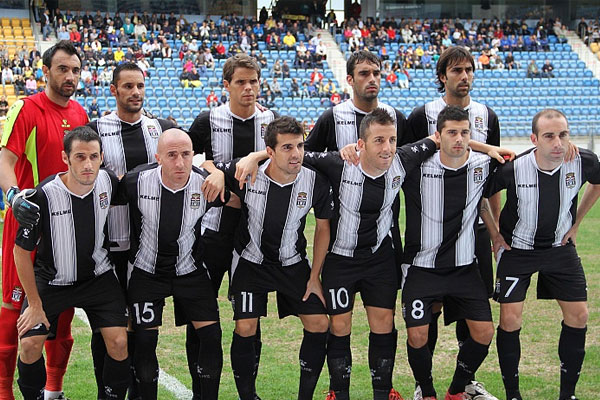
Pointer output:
x,y
218,246
193,296
375,278
120,260
101,298
561,275
251,284
483,252
459,288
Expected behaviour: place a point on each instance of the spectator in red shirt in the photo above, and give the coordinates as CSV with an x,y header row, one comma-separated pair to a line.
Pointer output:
x,y
316,77
212,100
75,36
335,99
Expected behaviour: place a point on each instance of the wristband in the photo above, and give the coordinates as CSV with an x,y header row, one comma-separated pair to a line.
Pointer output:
x,y
12,192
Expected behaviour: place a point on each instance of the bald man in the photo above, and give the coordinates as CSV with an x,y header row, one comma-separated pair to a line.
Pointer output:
x,y
166,205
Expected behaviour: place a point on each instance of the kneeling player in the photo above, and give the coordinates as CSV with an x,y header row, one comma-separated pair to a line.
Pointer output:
x,y
442,201
270,254
71,267
166,205
538,226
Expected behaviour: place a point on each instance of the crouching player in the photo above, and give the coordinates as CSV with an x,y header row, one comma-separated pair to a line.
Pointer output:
x,y
71,267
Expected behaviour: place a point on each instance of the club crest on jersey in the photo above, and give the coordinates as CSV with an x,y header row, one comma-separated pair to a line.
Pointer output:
x,y
153,131
65,124
478,175
103,200
396,182
263,130
196,200
301,200
17,294
570,180
478,123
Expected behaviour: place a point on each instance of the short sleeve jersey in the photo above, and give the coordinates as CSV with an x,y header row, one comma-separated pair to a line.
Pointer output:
x,y
271,230
125,147
222,136
339,126
70,236
34,131
541,206
363,203
165,223
442,206
485,127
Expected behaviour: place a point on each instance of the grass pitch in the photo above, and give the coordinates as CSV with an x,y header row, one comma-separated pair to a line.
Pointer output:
x,y
279,371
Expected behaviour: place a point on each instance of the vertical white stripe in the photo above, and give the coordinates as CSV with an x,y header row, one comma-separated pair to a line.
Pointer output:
x,y
526,174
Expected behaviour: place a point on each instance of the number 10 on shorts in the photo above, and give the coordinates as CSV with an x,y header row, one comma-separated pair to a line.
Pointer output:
x,y
339,298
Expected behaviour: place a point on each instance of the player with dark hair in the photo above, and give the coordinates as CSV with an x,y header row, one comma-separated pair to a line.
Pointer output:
x,y
443,198
31,151
129,139
270,254
361,255
234,129
71,266
538,228
166,206
454,74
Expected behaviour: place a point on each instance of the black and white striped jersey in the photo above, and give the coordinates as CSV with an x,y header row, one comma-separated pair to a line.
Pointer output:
x,y
271,230
442,206
485,127
363,203
222,136
339,126
541,206
165,224
71,234
125,147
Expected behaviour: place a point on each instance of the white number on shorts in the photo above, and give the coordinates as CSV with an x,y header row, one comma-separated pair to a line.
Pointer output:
x,y
337,300
417,309
247,302
512,285
146,310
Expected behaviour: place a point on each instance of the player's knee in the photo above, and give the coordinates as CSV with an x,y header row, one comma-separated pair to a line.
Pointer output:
x,y
145,362
246,327
341,326
31,349
483,334
316,324
577,318
417,338
510,320
116,346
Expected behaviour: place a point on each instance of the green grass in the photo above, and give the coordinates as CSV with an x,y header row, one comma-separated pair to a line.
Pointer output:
x,y
278,374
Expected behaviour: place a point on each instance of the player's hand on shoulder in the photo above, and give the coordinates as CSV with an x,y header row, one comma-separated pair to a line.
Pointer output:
x,y
572,152
26,212
31,317
349,153
246,167
313,286
214,186
501,154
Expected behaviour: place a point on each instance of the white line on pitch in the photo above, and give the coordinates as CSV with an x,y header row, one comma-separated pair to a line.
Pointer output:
x,y
169,382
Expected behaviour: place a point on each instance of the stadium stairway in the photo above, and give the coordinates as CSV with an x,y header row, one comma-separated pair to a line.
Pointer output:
x,y
585,53
335,59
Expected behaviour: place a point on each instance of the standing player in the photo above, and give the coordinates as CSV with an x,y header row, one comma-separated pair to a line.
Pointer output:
x,y
71,266
360,257
231,130
454,72
442,204
270,254
31,151
129,139
538,227
339,126
166,207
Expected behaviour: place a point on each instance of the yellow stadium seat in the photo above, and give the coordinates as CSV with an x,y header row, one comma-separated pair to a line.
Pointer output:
x,y
7,31
27,32
15,22
25,23
9,90
18,32
5,22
